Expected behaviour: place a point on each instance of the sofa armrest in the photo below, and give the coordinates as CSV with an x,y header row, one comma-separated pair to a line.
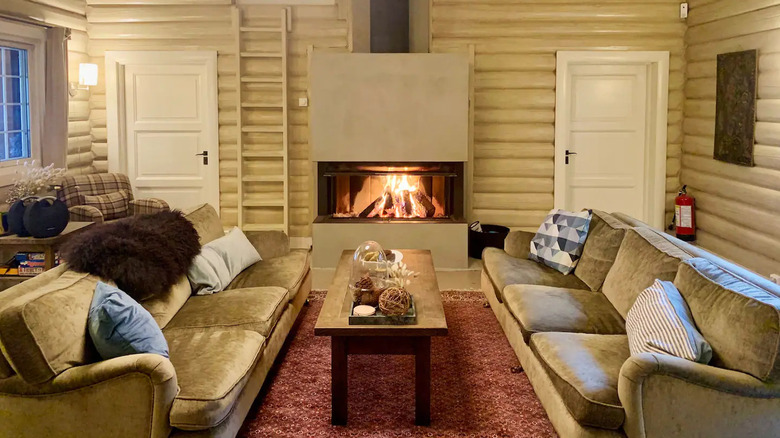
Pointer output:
x,y
127,396
85,213
148,206
665,396
270,244
518,243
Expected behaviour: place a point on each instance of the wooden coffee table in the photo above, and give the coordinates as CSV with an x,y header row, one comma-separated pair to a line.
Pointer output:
x,y
383,339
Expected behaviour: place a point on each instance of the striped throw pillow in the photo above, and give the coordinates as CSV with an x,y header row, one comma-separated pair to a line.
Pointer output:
x,y
660,322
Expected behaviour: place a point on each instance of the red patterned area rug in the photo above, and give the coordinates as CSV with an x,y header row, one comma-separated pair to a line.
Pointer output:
x,y
474,392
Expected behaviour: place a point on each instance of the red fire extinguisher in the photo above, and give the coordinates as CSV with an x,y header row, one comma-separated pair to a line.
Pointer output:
x,y
684,212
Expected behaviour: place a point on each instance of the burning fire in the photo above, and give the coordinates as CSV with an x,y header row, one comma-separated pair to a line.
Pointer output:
x,y
402,198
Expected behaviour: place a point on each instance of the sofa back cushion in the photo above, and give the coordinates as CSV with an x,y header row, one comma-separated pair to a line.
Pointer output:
x,y
604,238
739,319
206,222
643,257
44,330
5,368
164,306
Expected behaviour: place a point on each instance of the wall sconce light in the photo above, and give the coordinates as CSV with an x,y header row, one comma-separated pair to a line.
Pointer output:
x,y
88,77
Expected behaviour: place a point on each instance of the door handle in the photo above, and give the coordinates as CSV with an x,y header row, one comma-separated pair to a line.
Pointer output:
x,y
205,155
567,155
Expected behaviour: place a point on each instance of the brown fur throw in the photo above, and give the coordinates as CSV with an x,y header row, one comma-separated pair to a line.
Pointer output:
x,y
144,255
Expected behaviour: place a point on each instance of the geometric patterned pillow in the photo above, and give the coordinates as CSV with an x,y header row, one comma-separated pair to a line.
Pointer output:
x,y
113,205
559,241
661,322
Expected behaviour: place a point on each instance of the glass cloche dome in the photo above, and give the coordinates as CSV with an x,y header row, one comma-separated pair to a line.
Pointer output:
x,y
369,273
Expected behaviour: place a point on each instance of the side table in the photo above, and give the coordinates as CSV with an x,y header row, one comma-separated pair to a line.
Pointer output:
x,y
47,245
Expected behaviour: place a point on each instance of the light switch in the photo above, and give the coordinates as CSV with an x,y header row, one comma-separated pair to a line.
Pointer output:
x,y
303,101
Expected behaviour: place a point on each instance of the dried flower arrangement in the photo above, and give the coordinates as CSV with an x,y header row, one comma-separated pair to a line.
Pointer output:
x,y
33,180
400,275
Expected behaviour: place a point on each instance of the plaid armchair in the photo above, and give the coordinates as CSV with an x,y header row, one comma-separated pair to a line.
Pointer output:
x,y
104,196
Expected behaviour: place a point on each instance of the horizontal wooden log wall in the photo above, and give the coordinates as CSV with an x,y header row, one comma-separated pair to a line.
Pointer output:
x,y
515,44
70,14
164,25
737,207
207,25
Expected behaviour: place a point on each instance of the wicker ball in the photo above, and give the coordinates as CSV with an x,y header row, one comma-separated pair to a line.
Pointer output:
x,y
394,301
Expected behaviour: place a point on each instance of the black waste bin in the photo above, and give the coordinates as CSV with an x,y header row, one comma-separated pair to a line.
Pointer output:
x,y
491,236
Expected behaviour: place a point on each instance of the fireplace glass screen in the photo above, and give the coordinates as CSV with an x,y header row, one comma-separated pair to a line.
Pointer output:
x,y
418,191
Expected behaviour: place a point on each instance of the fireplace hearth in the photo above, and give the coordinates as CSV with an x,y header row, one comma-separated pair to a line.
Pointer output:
x,y
389,192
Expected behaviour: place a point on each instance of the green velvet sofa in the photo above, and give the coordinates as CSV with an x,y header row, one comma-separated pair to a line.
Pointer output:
x,y
222,346
569,333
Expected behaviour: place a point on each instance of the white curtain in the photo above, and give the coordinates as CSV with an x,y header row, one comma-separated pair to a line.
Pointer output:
x,y
54,144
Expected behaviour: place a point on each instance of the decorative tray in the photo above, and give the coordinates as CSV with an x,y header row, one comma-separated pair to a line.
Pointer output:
x,y
381,319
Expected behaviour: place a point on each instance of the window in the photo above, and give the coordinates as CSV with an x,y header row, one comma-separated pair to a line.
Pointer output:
x,y
14,104
22,95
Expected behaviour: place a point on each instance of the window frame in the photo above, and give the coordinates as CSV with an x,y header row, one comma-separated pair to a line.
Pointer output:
x,y
32,39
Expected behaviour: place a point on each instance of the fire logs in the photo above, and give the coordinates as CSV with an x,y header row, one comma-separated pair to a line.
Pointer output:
x,y
425,201
387,206
406,202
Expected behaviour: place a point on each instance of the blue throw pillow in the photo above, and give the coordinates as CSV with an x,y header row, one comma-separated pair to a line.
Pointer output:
x,y
119,326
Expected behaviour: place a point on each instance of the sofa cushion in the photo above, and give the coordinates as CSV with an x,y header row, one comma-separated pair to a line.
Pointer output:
x,y
5,368
287,271
11,294
584,370
257,309
604,239
644,257
220,261
114,205
206,222
503,270
119,326
44,331
212,367
557,309
740,320
559,241
164,306
661,322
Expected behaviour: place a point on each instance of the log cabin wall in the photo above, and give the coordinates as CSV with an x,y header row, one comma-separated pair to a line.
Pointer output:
x,y
207,25
515,42
71,14
737,208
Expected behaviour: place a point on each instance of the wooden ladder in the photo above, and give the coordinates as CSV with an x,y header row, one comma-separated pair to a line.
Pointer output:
x,y
262,137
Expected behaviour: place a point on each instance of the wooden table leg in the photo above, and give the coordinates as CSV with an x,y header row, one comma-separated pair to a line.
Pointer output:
x,y
338,380
48,258
422,377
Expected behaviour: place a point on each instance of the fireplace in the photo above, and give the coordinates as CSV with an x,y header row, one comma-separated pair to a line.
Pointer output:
x,y
389,139
382,192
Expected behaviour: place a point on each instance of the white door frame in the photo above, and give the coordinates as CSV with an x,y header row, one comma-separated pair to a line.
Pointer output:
x,y
657,112
115,92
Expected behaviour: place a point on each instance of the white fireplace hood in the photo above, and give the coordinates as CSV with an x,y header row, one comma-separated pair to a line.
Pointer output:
x,y
389,107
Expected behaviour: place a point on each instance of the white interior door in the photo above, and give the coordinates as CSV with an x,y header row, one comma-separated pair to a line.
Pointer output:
x,y
169,144
605,139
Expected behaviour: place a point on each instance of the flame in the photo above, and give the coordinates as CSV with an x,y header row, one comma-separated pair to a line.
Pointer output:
x,y
401,198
